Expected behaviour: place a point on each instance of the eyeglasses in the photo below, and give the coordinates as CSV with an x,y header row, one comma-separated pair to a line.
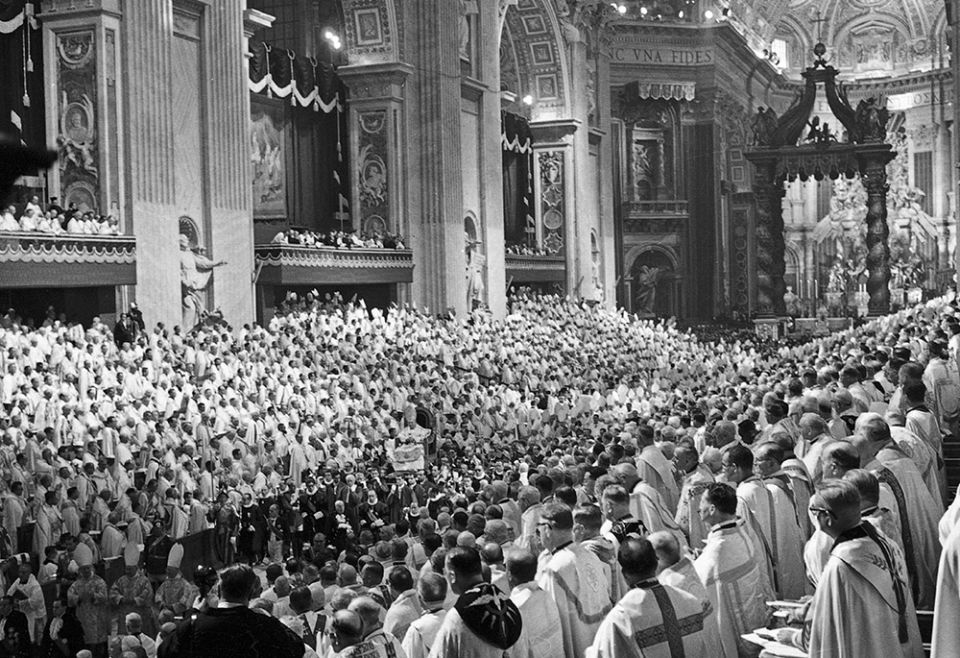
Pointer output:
x,y
821,510
544,524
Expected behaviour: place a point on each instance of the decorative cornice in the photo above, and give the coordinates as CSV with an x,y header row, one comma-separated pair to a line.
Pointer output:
x,y
330,258
375,81
62,9
556,131
254,20
15,247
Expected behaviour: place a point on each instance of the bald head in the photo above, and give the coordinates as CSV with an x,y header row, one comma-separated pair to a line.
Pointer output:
x,y
812,426
724,433
347,627
369,611
432,589
666,547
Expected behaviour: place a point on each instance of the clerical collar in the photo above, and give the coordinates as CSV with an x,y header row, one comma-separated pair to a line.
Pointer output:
x,y
726,525
858,532
649,583
230,604
869,510
561,547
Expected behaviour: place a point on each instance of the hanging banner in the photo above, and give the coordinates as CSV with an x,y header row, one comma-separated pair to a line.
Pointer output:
x,y
280,73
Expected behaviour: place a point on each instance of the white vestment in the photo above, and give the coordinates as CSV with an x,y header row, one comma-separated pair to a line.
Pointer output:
x,y
730,570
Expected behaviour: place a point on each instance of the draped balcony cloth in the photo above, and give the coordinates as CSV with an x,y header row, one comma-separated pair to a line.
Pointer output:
x,y
668,91
14,14
515,133
280,73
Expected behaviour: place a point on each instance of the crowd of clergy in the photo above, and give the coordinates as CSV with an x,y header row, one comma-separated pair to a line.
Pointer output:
x,y
589,484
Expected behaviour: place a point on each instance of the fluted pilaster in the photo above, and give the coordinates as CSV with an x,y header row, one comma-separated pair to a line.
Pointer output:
x,y
148,26
229,164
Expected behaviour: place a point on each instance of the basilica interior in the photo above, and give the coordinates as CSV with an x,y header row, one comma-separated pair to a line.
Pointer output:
x,y
703,159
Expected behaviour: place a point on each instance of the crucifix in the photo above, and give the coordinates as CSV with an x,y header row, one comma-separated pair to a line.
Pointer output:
x,y
819,21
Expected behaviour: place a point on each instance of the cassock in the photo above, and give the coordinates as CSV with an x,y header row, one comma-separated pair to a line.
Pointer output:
x,y
647,504
816,553
32,605
918,520
777,521
541,620
135,594
862,606
652,621
573,577
46,532
654,469
729,568
946,612
403,612
683,576
688,516
175,594
179,522
422,633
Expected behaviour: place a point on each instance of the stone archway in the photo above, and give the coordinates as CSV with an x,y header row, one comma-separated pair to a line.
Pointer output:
x,y
654,284
533,57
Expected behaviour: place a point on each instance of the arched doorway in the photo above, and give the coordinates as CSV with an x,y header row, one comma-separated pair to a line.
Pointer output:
x,y
654,285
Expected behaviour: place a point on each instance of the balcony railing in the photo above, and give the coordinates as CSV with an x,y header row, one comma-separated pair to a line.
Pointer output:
x,y
37,260
655,216
523,268
294,265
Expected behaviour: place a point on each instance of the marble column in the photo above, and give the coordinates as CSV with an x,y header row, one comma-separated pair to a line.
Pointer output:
x,y
607,230
874,174
584,211
771,266
491,157
433,173
230,177
151,203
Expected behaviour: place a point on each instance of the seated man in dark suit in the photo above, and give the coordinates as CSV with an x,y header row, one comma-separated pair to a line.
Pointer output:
x,y
232,628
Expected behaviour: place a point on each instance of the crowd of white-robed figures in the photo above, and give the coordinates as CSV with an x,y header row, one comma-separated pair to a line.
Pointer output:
x,y
866,411
837,502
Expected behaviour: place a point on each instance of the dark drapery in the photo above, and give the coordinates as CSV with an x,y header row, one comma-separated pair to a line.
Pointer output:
x,y
311,97
12,65
517,142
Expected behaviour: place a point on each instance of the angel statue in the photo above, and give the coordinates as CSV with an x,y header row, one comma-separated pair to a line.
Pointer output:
x,y
871,119
764,126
